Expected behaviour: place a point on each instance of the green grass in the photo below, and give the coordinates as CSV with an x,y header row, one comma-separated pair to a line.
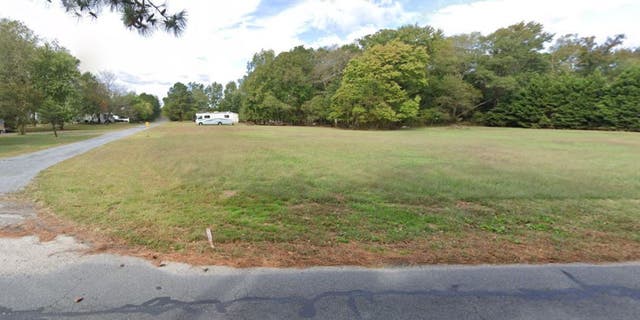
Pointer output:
x,y
40,137
324,186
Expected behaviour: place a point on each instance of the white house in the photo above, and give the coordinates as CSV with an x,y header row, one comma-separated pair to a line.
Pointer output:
x,y
223,114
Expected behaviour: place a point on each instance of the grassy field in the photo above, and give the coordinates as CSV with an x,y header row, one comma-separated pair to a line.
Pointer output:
x,y
40,137
303,195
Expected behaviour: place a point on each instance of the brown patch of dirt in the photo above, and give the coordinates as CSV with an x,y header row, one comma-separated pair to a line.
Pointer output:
x,y
226,194
473,247
45,226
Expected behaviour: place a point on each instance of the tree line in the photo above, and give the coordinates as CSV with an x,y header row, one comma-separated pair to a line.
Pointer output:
x,y
412,76
41,82
184,101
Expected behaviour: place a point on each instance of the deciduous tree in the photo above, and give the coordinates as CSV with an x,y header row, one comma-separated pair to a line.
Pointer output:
x,y
232,99
178,104
18,95
381,87
214,95
155,105
200,99
506,57
94,96
56,77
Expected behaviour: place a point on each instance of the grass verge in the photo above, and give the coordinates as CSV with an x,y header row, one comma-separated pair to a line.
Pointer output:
x,y
303,196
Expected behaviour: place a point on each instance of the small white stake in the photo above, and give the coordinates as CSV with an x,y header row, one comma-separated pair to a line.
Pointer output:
x,y
210,238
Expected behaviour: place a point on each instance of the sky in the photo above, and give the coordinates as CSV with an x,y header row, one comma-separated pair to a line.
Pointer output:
x,y
222,36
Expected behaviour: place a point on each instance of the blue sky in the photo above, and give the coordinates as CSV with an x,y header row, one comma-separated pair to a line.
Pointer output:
x,y
222,36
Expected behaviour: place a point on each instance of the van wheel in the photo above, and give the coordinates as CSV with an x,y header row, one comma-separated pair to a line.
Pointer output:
x,y
199,123
219,123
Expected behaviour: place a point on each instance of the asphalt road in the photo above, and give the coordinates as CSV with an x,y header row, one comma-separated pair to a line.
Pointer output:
x,y
54,280
125,288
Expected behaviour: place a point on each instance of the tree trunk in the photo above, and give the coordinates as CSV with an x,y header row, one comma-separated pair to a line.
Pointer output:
x,y
53,125
454,115
22,129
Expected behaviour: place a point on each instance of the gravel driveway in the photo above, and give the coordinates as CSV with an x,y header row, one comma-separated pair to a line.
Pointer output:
x,y
17,172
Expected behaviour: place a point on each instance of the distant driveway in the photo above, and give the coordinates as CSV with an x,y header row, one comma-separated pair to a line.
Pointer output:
x,y
17,172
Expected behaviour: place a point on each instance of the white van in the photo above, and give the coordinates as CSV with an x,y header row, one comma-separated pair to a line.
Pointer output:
x,y
200,117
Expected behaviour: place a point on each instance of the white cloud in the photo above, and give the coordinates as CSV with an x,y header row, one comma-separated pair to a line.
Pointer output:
x,y
344,15
586,17
334,39
218,41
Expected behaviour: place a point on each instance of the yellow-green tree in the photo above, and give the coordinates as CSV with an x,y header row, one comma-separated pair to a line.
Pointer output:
x,y
381,87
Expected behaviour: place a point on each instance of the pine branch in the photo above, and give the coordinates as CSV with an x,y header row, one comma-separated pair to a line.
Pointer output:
x,y
141,15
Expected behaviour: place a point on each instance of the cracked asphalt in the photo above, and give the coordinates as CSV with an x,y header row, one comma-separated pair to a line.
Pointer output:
x,y
126,288
54,280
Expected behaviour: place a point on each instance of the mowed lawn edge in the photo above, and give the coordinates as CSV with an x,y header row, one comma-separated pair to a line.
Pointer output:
x,y
298,196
